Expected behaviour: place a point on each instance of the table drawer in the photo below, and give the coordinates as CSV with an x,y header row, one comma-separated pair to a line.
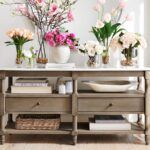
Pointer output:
x,y
111,105
38,105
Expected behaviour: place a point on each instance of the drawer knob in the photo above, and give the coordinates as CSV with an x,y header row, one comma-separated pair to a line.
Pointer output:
x,y
38,104
110,105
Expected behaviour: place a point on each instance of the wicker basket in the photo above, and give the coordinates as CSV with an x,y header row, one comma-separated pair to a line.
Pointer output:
x,y
38,122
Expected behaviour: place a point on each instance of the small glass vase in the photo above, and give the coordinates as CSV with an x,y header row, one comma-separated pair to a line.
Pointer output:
x,y
105,57
129,57
93,61
19,59
29,63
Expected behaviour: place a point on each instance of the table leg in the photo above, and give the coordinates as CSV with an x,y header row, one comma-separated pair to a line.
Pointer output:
x,y
2,136
147,108
75,128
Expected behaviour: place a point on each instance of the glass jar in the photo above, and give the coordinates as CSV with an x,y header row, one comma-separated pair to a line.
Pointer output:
x,y
93,61
129,57
29,62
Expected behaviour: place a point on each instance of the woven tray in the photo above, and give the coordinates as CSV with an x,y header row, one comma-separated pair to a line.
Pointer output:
x,y
37,122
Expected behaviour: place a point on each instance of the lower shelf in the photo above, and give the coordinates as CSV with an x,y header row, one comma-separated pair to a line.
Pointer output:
x,y
65,128
84,129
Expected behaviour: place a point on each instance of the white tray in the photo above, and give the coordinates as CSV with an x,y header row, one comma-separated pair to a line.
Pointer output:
x,y
108,86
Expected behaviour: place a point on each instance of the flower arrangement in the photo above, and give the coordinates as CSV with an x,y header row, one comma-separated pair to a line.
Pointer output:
x,y
61,38
46,15
108,25
19,38
92,49
127,42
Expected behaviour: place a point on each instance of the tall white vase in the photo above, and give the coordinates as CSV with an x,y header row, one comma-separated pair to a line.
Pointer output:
x,y
60,54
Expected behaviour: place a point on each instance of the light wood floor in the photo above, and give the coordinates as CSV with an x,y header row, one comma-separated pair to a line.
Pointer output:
x,y
46,142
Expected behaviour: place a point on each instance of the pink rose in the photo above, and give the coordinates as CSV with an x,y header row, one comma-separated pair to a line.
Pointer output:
x,y
69,42
48,36
52,43
70,16
72,35
60,39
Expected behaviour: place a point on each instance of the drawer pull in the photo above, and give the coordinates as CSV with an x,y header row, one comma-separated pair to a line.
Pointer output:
x,y
38,104
110,105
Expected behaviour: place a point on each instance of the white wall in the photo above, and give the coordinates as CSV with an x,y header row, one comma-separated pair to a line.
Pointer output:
x,y
85,18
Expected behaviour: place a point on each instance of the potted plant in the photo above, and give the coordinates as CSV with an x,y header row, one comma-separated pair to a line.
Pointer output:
x,y
46,15
129,44
62,42
93,49
19,37
108,25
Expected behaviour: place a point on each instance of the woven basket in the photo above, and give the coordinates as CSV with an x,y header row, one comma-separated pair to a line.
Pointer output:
x,y
38,122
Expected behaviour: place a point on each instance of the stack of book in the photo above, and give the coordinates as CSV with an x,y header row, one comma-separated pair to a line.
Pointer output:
x,y
31,85
109,122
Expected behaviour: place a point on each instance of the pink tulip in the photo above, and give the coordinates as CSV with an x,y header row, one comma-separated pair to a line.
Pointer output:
x,y
122,4
107,17
102,2
70,16
97,7
128,17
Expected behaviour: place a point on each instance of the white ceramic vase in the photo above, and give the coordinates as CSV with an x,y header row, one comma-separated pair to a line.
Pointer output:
x,y
60,54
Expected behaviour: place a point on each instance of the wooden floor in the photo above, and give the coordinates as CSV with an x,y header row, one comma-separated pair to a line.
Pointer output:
x,y
102,142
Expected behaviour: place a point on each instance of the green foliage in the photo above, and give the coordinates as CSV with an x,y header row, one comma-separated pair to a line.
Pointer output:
x,y
108,31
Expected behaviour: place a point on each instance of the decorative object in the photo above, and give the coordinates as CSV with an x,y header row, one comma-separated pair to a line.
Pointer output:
x,y
108,25
61,54
69,87
109,86
19,38
61,42
29,57
129,44
62,88
46,15
37,122
92,49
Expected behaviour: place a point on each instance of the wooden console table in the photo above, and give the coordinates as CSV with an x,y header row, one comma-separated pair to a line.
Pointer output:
x,y
78,103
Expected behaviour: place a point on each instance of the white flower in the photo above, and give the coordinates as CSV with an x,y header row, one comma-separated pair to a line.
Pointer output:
x,y
128,39
107,17
99,49
114,45
92,48
142,41
27,54
99,24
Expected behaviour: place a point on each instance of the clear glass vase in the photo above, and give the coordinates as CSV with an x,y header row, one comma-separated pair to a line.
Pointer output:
x,y
129,57
93,61
19,59
29,63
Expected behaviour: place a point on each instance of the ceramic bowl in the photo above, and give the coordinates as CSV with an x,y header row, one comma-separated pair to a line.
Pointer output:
x,y
108,86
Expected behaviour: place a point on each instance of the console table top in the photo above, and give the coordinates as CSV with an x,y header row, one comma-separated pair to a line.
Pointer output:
x,y
76,69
